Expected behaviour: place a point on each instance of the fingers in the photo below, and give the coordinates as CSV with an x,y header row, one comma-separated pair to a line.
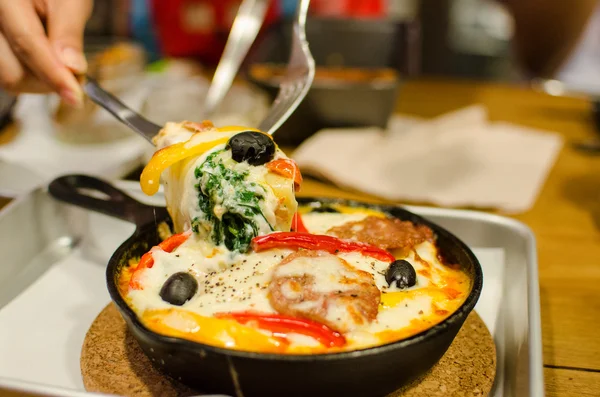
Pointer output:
x,y
11,71
24,32
65,29
13,77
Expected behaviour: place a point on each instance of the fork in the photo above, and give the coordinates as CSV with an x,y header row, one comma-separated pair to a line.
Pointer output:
x,y
292,90
246,25
298,78
243,32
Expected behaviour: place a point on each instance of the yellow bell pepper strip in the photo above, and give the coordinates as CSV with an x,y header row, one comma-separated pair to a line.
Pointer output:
x,y
166,157
212,331
147,261
392,299
236,128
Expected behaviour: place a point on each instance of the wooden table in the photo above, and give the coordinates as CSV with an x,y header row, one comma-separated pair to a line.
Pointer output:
x,y
565,220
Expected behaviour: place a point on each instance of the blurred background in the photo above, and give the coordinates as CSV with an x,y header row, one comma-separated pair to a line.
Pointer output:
x,y
159,56
468,38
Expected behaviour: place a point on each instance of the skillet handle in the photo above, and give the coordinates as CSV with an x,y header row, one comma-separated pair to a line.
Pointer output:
x,y
97,195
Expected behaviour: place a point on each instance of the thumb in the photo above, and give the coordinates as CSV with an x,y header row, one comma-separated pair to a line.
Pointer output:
x,y
66,21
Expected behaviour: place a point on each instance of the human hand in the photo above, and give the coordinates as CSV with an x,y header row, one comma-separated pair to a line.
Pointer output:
x,y
35,59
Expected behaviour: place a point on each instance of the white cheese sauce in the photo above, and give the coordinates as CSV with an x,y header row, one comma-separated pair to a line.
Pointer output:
x,y
232,283
225,282
320,222
182,184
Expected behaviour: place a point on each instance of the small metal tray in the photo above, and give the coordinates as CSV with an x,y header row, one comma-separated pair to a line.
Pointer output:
x,y
52,286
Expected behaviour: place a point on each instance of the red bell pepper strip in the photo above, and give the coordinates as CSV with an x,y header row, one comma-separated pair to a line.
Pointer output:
x,y
281,324
147,261
174,241
297,224
288,169
318,242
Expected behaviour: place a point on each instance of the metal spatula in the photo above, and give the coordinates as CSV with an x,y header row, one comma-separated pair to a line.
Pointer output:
x,y
298,78
127,116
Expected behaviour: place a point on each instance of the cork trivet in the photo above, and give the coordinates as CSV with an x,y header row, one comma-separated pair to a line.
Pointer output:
x,y
113,363
467,369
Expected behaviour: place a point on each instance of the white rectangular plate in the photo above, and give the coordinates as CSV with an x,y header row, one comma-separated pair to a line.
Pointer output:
x,y
44,323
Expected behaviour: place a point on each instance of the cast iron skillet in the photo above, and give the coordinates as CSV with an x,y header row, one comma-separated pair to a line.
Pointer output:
x,y
375,371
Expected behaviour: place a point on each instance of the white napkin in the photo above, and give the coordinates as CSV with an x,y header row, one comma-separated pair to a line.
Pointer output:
x,y
456,160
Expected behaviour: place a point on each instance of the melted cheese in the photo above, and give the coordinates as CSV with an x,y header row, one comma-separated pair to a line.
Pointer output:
x,y
320,222
181,184
330,276
225,282
239,282
327,271
231,280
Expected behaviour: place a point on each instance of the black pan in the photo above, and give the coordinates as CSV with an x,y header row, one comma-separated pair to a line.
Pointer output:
x,y
375,371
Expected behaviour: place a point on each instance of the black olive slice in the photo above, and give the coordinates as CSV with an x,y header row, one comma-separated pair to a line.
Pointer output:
x,y
254,147
402,273
179,288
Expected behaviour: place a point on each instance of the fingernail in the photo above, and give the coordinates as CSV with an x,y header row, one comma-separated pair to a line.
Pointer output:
x,y
74,59
72,98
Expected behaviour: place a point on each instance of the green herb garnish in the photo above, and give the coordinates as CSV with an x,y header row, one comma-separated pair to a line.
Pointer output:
x,y
238,201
